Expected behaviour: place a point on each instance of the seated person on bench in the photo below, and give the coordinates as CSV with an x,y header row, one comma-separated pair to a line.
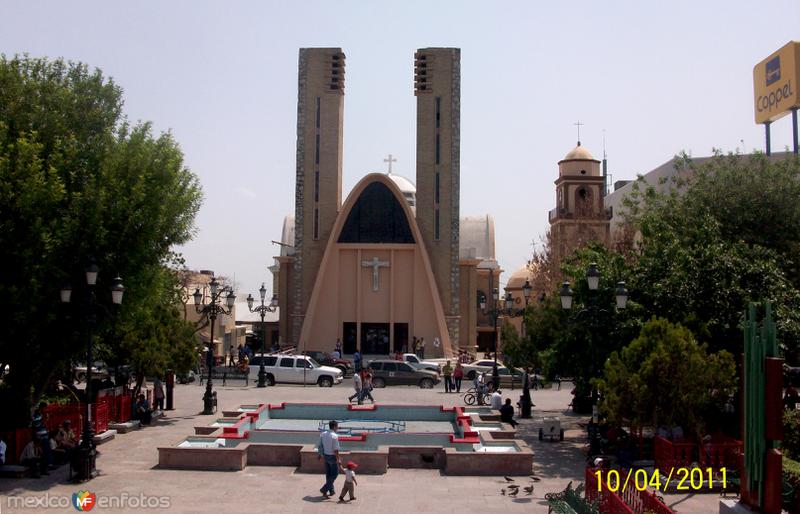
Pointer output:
x,y
32,458
142,411
507,413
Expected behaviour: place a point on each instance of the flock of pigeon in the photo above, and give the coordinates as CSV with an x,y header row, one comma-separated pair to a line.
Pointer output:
x,y
512,489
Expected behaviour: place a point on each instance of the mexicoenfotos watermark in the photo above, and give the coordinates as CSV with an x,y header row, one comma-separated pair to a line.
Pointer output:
x,y
85,501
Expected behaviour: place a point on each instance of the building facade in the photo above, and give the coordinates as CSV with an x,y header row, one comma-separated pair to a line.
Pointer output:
x,y
390,263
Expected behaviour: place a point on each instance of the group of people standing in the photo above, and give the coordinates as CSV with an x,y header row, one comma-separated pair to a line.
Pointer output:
x,y
452,377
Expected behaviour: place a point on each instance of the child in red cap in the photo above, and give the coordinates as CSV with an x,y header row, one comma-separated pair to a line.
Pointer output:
x,y
349,481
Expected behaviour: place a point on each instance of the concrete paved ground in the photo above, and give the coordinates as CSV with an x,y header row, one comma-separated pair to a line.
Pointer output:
x,y
128,467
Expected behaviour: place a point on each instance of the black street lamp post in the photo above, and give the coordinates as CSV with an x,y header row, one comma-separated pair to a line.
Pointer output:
x,y
86,453
212,309
526,292
494,313
593,315
263,310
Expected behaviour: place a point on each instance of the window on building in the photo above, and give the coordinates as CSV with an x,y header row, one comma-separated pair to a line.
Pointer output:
x,y
316,186
436,190
317,112
436,224
438,110
316,223
376,217
316,157
437,148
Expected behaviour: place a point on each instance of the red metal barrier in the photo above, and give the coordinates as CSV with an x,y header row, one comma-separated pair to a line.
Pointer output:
x,y
15,441
100,417
722,452
672,454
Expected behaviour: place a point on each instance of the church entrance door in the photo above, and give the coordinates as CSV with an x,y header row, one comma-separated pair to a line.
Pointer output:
x,y
401,337
349,337
374,338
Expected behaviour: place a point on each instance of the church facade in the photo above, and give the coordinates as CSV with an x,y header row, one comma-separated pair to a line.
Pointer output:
x,y
393,261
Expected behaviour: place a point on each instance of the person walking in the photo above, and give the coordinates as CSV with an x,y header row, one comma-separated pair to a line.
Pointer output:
x,y
329,450
557,380
458,376
358,385
158,394
41,435
339,346
349,482
357,360
447,373
421,353
366,385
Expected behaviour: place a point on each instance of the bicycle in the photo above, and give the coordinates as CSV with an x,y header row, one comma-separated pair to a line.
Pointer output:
x,y
471,397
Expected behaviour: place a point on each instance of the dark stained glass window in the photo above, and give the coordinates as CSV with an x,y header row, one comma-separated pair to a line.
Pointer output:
x,y
377,217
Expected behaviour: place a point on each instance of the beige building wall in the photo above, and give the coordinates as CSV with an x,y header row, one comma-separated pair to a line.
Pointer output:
x,y
318,188
437,86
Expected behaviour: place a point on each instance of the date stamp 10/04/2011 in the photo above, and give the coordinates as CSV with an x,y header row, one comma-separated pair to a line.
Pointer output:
x,y
682,479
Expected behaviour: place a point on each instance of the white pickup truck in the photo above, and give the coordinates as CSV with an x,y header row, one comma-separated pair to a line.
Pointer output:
x,y
294,369
420,364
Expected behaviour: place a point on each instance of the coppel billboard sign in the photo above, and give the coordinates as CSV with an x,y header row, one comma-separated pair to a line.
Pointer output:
x,y
775,81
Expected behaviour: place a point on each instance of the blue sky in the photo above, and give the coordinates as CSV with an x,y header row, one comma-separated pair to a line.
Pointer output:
x,y
658,78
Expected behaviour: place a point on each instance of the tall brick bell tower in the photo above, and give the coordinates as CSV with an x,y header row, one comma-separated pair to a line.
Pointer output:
x,y
318,187
437,86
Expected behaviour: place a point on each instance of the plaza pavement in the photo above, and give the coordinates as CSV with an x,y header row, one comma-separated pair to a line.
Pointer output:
x,y
128,465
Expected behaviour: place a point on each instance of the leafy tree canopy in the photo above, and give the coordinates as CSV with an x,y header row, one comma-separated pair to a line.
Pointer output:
x,y
724,236
77,180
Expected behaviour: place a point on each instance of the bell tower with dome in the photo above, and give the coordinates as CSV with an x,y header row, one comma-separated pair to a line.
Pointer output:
x,y
580,216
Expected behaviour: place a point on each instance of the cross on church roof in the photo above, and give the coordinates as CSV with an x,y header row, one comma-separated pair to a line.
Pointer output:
x,y
390,161
578,124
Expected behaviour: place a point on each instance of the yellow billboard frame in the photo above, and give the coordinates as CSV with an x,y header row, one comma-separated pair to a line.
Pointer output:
x,y
775,83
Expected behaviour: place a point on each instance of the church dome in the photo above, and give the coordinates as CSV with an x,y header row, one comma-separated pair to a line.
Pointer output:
x,y
404,184
406,187
579,153
518,278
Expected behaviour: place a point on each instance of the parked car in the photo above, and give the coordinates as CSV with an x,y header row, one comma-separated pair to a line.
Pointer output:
x,y
420,364
99,370
505,375
294,369
325,359
480,366
391,372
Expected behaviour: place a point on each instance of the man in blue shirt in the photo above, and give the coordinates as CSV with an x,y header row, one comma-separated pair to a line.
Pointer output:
x,y
329,450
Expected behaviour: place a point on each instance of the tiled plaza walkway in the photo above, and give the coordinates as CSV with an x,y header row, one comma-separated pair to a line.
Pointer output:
x,y
128,465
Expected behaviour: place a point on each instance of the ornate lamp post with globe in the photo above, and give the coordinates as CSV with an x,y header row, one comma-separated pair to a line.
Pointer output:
x,y
86,454
212,309
593,315
262,309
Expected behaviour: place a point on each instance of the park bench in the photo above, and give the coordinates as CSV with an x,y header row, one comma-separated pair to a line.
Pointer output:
x,y
225,374
570,501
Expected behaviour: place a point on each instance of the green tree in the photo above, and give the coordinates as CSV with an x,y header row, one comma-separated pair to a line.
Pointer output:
x,y
665,377
712,242
594,328
76,180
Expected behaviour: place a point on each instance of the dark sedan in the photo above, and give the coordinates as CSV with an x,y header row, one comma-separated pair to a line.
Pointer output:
x,y
392,372
327,359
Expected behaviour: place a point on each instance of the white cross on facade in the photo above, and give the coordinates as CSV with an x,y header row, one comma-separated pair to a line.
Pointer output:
x,y
375,264
390,161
